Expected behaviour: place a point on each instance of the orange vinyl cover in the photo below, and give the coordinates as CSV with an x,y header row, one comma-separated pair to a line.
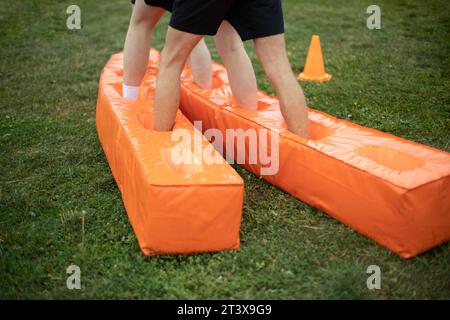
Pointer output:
x,y
173,208
391,190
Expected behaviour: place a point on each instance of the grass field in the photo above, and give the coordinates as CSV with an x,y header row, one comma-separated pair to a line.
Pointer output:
x,y
59,204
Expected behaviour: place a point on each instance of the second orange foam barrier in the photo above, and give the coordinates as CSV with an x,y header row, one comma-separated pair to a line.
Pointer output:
x,y
391,190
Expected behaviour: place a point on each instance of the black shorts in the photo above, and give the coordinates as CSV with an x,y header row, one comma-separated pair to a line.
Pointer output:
x,y
166,4
251,18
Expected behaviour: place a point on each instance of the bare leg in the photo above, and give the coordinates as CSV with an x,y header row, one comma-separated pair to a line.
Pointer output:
x,y
272,54
138,42
239,67
201,64
177,48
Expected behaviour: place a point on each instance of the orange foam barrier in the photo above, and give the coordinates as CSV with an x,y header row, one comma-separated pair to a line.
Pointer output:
x,y
391,190
173,208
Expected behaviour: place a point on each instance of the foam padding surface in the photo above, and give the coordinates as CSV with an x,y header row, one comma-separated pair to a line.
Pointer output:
x,y
172,207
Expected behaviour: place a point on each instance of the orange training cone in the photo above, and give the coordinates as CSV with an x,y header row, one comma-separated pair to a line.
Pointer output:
x,y
314,68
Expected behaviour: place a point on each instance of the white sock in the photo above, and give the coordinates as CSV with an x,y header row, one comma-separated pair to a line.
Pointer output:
x,y
130,92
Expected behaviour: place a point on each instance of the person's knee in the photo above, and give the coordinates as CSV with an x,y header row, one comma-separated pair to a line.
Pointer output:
x,y
177,48
173,58
142,24
176,54
146,18
229,46
228,40
275,64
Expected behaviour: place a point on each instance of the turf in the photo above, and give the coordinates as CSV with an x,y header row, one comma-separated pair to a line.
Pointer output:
x,y
60,205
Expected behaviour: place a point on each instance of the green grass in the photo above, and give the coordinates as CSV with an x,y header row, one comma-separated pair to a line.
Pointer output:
x,y
60,205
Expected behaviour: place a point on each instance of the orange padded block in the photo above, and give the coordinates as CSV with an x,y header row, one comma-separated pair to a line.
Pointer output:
x,y
173,207
391,190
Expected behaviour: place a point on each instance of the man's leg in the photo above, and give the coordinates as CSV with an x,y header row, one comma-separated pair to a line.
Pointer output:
x,y
239,67
201,64
137,46
178,46
272,54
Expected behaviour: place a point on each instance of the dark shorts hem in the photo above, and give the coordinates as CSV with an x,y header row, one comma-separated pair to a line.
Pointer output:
x,y
192,30
255,35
